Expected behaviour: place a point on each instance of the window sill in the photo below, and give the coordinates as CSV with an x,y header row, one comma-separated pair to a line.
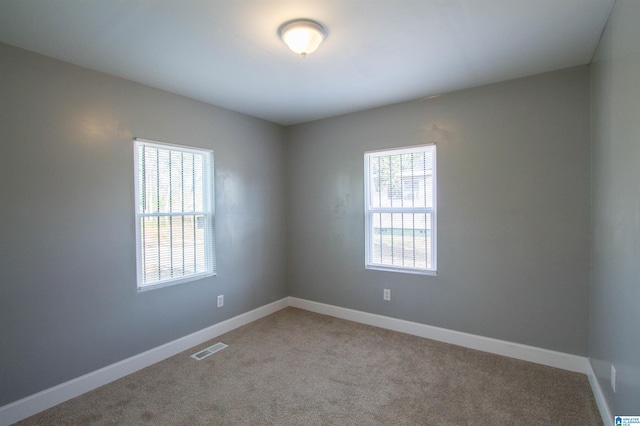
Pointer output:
x,y
174,282
402,270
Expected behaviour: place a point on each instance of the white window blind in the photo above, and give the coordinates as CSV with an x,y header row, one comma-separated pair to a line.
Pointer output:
x,y
400,204
174,213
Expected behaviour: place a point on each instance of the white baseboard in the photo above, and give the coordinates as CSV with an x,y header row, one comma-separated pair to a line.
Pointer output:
x,y
40,401
48,398
601,401
500,347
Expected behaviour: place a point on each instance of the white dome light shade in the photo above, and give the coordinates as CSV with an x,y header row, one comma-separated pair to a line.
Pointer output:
x,y
303,36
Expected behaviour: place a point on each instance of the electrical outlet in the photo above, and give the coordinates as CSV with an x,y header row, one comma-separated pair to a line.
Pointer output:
x,y
221,300
613,378
387,294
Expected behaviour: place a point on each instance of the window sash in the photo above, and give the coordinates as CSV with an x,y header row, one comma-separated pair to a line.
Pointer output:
x,y
391,244
174,214
398,242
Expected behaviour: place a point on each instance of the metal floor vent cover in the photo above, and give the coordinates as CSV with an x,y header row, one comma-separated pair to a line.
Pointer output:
x,y
209,351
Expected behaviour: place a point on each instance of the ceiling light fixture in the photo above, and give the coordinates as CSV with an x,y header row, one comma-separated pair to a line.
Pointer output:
x,y
303,36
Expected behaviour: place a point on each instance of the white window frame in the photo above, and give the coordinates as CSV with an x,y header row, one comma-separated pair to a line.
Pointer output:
x,y
370,210
208,212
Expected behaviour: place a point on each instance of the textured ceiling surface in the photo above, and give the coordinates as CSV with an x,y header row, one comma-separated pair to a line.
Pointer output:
x,y
378,52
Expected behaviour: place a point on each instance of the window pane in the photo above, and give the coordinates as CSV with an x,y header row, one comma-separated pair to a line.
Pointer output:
x,y
401,180
402,239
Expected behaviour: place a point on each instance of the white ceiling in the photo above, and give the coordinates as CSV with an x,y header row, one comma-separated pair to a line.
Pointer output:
x,y
378,52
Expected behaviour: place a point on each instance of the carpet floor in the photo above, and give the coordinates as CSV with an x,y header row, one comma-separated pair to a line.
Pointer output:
x,y
300,368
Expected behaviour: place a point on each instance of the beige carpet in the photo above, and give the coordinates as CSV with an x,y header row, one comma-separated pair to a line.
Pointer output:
x,y
299,368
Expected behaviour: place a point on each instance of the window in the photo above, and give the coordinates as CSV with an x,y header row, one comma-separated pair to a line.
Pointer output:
x,y
174,214
400,203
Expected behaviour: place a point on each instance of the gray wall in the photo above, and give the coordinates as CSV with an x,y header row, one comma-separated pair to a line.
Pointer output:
x,y
614,327
68,298
513,211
